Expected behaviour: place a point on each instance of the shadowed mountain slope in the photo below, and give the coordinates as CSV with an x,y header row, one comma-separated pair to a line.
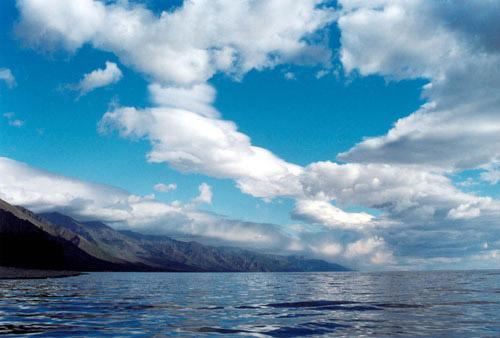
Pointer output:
x,y
27,241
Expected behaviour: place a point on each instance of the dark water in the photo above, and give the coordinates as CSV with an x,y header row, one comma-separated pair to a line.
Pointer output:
x,y
447,304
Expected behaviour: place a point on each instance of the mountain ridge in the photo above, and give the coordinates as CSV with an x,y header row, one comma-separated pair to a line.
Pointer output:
x,y
95,246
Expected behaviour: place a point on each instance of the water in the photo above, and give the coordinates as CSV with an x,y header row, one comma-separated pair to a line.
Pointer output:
x,y
448,304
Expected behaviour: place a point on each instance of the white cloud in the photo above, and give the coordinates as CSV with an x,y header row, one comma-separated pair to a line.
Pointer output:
x,y
192,142
406,56
100,78
162,187
205,195
464,211
172,48
329,249
459,126
198,98
50,22
12,120
40,190
402,192
324,213
372,248
7,76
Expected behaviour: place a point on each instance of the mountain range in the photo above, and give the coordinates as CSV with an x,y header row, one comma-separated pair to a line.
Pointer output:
x,y
59,242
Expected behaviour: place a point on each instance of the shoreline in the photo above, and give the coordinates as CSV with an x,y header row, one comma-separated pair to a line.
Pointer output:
x,y
18,273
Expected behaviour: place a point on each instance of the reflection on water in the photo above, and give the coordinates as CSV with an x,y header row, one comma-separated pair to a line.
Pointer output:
x,y
255,304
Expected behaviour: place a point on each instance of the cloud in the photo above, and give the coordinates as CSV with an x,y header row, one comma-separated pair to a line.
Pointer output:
x,y
458,127
464,211
50,23
205,195
42,191
171,48
7,76
162,187
328,249
404,193
198,98
12,120
324,213
191,142
100,78
372,248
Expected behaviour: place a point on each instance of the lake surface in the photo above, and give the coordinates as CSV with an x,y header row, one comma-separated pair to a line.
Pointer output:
x,y
447,304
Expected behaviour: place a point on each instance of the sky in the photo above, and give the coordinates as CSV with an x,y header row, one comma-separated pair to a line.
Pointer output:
x,y
309,133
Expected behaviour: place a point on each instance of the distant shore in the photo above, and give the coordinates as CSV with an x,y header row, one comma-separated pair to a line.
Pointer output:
x,y
16,273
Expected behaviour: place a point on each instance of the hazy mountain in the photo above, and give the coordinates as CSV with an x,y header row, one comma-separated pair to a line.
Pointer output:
x,y
57,241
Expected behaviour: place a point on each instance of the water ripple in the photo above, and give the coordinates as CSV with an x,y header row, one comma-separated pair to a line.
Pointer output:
x,y
255,304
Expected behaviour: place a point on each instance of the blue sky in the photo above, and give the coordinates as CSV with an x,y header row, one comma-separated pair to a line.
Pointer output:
x,y
284,107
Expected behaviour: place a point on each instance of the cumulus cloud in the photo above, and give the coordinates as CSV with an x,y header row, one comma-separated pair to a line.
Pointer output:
x,y
100,78
7,76
198,98
372,248
324,213
172,48
458,128
205,195
191,142
405,193
162,187
464,211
